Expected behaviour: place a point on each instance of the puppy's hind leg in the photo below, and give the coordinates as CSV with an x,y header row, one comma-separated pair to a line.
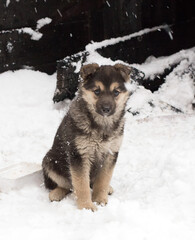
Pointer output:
x,y
62,187
58,194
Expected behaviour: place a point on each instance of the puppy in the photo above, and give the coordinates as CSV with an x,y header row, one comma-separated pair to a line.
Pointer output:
x,y
87,142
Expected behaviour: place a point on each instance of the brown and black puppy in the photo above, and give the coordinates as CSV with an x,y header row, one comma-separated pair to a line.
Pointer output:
x,y
87,142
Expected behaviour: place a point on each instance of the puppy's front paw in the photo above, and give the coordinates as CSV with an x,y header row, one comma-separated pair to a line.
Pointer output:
x,y
100,198
87,205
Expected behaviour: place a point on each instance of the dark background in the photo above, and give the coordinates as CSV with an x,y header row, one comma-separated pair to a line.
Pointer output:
x,y
76,22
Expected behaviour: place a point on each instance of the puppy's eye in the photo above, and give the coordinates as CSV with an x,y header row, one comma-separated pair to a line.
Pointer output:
x,y
116,92
97,92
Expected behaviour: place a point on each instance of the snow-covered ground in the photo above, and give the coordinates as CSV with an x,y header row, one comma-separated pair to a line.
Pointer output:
x,y
154,179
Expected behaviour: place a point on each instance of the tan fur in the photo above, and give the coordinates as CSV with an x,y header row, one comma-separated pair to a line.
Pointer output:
x,y
89,96
121,100
58,194
62,182
113,86
100,85
81,186
101,185
87,146
106,121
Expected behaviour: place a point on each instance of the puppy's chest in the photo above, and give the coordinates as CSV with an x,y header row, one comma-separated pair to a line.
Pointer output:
x,y
98,144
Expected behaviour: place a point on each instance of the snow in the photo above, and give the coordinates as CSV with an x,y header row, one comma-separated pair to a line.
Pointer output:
x,y
108,3
7,3
9,47
35,35
96,45
150,69
43,21
154,179
16,176
19,170
59,13
179,90
28,117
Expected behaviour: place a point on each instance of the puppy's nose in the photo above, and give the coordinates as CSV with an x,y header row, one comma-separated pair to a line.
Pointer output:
x,y
106,109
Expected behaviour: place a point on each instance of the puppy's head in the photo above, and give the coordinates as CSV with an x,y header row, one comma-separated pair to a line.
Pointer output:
x,y
104,87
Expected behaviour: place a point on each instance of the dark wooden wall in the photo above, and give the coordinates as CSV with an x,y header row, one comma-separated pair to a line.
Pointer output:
x,y
133,15
76,22
69,31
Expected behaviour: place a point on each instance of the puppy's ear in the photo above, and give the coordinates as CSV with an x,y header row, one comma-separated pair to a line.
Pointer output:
x,y
88,69
124,71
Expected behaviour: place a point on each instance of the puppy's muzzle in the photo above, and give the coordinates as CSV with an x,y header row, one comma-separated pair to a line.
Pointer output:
x,y
106,109
106,105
